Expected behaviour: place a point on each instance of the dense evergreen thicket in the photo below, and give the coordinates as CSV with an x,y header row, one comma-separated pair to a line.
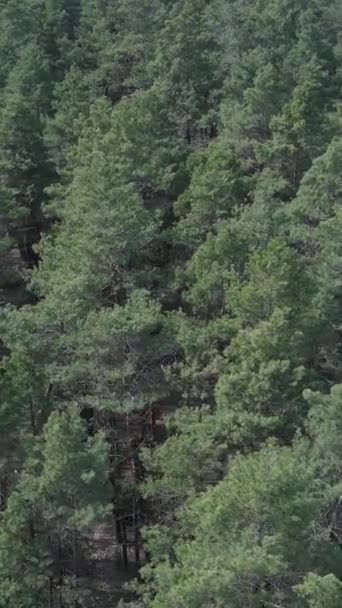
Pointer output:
x,y
171,320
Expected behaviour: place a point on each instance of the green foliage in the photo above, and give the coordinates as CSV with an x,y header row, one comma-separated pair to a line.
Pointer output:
x,y
170,200
24,167
62,486
316,590
246,541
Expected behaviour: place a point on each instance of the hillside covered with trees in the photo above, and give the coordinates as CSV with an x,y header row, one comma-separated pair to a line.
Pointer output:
x,y
171,303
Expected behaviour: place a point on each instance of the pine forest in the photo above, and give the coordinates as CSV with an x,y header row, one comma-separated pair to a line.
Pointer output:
x,y
171,303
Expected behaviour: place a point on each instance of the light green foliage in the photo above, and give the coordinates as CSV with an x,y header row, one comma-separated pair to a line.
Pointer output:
x,y
189,459
62,487
245,542
317,590
23,567
324,422
218,187
319,195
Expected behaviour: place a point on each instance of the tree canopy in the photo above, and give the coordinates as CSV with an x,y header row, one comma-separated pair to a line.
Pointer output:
x,y
170,321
